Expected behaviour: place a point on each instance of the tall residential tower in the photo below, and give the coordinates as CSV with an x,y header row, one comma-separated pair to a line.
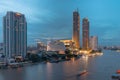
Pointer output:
x,y
85,34
15,34
76,29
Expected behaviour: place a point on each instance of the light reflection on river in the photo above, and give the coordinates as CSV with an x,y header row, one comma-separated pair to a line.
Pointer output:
x,y
99,68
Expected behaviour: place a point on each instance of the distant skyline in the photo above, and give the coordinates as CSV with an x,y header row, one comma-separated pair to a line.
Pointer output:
x,y
53,18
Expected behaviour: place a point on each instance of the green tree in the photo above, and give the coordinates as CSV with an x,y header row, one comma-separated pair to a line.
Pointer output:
x,y
34,58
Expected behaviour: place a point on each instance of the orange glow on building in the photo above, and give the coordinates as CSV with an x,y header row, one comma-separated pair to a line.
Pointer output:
x,y
76,29
69,44
66,42
85,51
85,34
18,14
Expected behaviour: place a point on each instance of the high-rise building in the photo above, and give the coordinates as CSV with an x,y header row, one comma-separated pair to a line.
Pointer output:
x,y
76,29
15,34
94,42
85,34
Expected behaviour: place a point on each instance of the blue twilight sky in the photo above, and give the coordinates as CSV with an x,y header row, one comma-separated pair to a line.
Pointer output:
x,y
53,18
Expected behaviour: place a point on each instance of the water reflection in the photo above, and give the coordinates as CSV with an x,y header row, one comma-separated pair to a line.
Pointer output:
x,y
85,60
12,74
49,71
99,68
1,76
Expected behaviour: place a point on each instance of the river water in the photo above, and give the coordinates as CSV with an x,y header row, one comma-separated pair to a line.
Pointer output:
x,y
98,67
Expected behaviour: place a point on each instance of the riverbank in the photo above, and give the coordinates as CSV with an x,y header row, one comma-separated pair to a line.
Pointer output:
x,y
55,59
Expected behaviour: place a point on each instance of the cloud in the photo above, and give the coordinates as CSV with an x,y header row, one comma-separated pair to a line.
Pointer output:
x,y
33,13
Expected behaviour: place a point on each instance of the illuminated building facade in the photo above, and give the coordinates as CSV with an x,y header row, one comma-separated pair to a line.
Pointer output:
x,y
15,34
69,44
41,46
94,42
85,34
56,46
76,29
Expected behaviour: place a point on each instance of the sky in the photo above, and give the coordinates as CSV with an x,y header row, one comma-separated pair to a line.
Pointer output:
x,y
52,19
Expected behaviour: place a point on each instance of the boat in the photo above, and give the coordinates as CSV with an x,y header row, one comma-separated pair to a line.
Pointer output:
x,y
116,75
118,72
82,73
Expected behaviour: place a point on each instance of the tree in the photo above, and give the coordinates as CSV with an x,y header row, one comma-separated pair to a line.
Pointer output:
x,y
67,51
34,58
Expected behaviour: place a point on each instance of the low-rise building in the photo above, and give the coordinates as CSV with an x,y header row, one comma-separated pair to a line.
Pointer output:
x,y
56,46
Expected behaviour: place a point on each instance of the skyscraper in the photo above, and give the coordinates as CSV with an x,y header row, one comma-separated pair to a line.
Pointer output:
x,y
76,29
94,42
85,34
15,34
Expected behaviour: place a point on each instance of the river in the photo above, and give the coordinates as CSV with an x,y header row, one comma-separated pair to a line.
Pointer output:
x,y
98,67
